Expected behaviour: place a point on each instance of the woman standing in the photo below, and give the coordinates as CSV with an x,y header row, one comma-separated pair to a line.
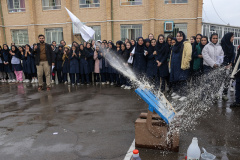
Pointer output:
x,y
97,52
111,71
74,65
65,64
151,62
2,72
16,63
30,62
89,54
59,62
139,58
180,66
84,70
162,49
102,64
7,64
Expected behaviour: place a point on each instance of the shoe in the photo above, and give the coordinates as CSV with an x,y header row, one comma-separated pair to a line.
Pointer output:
x,y
40,88
48,88
112,84
33,81
225,98
173,94
103,83
122,86
53,82
88,84
24,81
127,87
4,80
27,80
232,89
36,80
176,97
14,81
78,84
73,84
9,81
235,104
82,84
65,82
20,81
183,98
97,83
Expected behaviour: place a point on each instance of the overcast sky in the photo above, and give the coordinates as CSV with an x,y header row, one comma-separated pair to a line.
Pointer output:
x,y
228,10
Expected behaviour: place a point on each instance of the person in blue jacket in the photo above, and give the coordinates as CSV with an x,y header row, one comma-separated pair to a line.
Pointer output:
x,y
7,63
162,50
66,64
229,56
139,58
118,75
89,54
151,62
102,64
30,64
74,65
110,54
2,72
16,63
84,70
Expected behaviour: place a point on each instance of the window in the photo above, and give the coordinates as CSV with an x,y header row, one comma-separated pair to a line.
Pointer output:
x,y
97,29
54,34
89,3
180,27
175,1
51,4
131,31
131,2
20,37
16,6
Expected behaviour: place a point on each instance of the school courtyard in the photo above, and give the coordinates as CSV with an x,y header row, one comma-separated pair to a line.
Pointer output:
x,y
96,122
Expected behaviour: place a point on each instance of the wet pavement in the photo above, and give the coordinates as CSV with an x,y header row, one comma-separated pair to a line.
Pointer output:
x,y
96,122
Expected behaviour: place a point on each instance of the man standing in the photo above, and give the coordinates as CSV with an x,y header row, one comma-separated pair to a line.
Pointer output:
x,y
44,60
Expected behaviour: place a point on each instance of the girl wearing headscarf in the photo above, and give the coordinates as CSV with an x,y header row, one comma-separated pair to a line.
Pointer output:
x,y
97,52
89,54
16,63
211,53
133,43
229,56
84,70
118,75
139,58
151,62
65,64
179,66
59,62
102,64
7,63
2,73
74,65
111,71
162,49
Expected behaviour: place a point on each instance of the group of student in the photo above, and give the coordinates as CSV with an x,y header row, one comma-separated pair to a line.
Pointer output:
x,y
172,61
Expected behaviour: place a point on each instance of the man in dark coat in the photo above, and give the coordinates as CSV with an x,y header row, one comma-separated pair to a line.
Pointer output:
x,y
44,60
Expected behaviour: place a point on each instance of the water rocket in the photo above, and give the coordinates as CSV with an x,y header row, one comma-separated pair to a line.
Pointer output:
x,y
159,105
86,32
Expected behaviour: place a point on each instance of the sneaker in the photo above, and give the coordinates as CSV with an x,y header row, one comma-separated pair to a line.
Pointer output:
x,y
234,105
14,81
82,84
176,97
20,81
65,82
88,84
78,84
48,88
108,82
9,81
53,82
112,84
173,94
225,98
24,80
27,80
36,80
103,83
127,87
122,86
183,98
232,89
4,80
73,84
33,81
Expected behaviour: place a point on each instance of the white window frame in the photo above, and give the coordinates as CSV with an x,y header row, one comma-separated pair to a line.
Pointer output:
x,y
97,29
88,4
186,29
176,2
20,32
131,26
49,7
14,10
57,39
131,3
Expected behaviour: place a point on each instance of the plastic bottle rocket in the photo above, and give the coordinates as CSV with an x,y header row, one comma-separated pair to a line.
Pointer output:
x,y
193,152
135,155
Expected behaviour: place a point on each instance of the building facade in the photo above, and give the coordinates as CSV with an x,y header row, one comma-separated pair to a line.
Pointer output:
x,y
23,20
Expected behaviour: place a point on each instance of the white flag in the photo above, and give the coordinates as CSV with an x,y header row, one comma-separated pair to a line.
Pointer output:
x,y
86,32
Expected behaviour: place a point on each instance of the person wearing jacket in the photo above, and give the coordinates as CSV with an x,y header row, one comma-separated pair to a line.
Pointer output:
x,y
97,52
31,69
74,65
65,64
84,70
59,62
16,63
211,54
89,54
162,50
7,63
2,73
44,60
229,56
179,65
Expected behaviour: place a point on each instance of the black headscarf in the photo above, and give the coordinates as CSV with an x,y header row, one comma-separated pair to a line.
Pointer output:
x,y
178,45
30,49
226,44
6,50
147,41
113,49
214,34
202,46
159,46
132,46
139,48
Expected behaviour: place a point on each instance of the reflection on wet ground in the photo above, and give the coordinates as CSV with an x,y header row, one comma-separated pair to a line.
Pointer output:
x,y
96,122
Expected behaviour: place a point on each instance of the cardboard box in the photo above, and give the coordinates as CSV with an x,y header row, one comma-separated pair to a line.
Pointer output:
x,y
152,132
